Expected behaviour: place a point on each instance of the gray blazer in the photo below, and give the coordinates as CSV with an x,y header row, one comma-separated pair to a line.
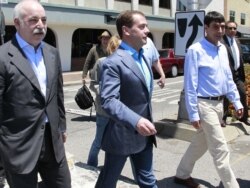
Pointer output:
x,y
23,107
125,97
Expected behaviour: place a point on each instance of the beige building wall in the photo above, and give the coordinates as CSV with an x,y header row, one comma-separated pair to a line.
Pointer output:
x,y
239,6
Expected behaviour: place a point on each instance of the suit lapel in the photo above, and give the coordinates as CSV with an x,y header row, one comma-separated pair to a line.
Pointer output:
x,y
49,60
228,45
18,58
129,62
229,50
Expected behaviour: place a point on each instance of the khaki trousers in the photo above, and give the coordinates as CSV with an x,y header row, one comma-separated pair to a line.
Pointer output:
x,y
210,137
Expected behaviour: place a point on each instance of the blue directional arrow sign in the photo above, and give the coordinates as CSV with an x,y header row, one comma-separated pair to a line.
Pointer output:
x,y
189,28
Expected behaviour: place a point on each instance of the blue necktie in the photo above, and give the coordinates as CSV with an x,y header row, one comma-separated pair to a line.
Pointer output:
x,y
145,71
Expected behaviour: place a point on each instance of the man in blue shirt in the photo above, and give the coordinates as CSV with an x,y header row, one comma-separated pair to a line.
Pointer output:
x,y
126,91
207,80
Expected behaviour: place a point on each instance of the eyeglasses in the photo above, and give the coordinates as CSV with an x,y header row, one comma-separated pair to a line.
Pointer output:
x,y
232,28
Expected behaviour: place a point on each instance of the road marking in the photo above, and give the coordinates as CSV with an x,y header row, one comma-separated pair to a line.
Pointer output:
x,y
159,96
167,92
69,101
80,112
167,83
70,90
164,98
174,101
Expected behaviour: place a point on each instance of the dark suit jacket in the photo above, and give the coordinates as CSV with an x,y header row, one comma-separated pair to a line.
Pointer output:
x,y
125,97
239,74
23,107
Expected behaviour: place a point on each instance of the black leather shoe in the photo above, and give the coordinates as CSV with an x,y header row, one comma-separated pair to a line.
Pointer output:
x,y
246,122
223,123
189,182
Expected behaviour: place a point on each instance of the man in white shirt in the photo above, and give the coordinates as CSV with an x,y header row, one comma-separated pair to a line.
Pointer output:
x,y
152,55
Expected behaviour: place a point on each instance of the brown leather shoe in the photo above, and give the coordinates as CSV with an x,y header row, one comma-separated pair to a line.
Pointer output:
x,y
189,182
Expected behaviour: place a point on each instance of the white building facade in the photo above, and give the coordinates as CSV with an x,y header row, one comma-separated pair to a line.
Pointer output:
x,y
74,25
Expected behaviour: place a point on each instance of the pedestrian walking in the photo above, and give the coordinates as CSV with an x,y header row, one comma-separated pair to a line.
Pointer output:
x,y
32,114
95,53
237,67
126,91
101,116
207,81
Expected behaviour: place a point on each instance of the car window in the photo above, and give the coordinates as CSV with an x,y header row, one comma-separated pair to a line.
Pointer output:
x,y
163,53
244,48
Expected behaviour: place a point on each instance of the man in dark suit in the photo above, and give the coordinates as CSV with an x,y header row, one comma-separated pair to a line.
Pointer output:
x,y
237,67
126,91
32,114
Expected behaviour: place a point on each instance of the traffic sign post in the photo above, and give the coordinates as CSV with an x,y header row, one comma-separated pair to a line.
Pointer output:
x,y
189,28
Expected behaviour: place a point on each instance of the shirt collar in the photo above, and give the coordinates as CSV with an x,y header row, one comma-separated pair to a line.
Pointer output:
x,y
131,50
211,45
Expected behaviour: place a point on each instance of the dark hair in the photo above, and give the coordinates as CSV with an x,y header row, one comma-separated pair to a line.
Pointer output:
x,y
228,22
126,19
213,16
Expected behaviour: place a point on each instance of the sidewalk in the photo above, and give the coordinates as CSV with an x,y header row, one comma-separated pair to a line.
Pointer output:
x,y
71,78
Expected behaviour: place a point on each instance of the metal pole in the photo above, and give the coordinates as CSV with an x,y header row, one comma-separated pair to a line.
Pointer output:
x,y
182,112
192,5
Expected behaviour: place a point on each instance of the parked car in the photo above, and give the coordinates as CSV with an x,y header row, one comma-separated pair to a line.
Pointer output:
x,y
172,65
245,53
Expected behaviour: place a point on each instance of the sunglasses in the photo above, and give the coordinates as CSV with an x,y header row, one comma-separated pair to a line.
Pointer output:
x,y
232,28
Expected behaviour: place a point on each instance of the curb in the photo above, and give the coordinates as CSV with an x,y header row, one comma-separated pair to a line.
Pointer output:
x,y
183,130
175,129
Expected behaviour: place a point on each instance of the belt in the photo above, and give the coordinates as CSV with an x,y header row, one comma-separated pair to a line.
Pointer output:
x,y
213,98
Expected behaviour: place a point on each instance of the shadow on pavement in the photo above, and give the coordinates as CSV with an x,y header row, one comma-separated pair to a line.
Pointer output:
x,y
84,118
169,182
240,126
161,126
242,183
97,170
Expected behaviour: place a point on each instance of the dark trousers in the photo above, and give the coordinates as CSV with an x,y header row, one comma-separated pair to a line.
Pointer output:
x,y
114,164
53,174
242,91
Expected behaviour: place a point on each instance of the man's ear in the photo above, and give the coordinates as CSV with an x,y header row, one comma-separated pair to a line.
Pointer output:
x,y
17,22
125,30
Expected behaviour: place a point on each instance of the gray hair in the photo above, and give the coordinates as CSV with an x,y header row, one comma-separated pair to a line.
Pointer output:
x,y
19,9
